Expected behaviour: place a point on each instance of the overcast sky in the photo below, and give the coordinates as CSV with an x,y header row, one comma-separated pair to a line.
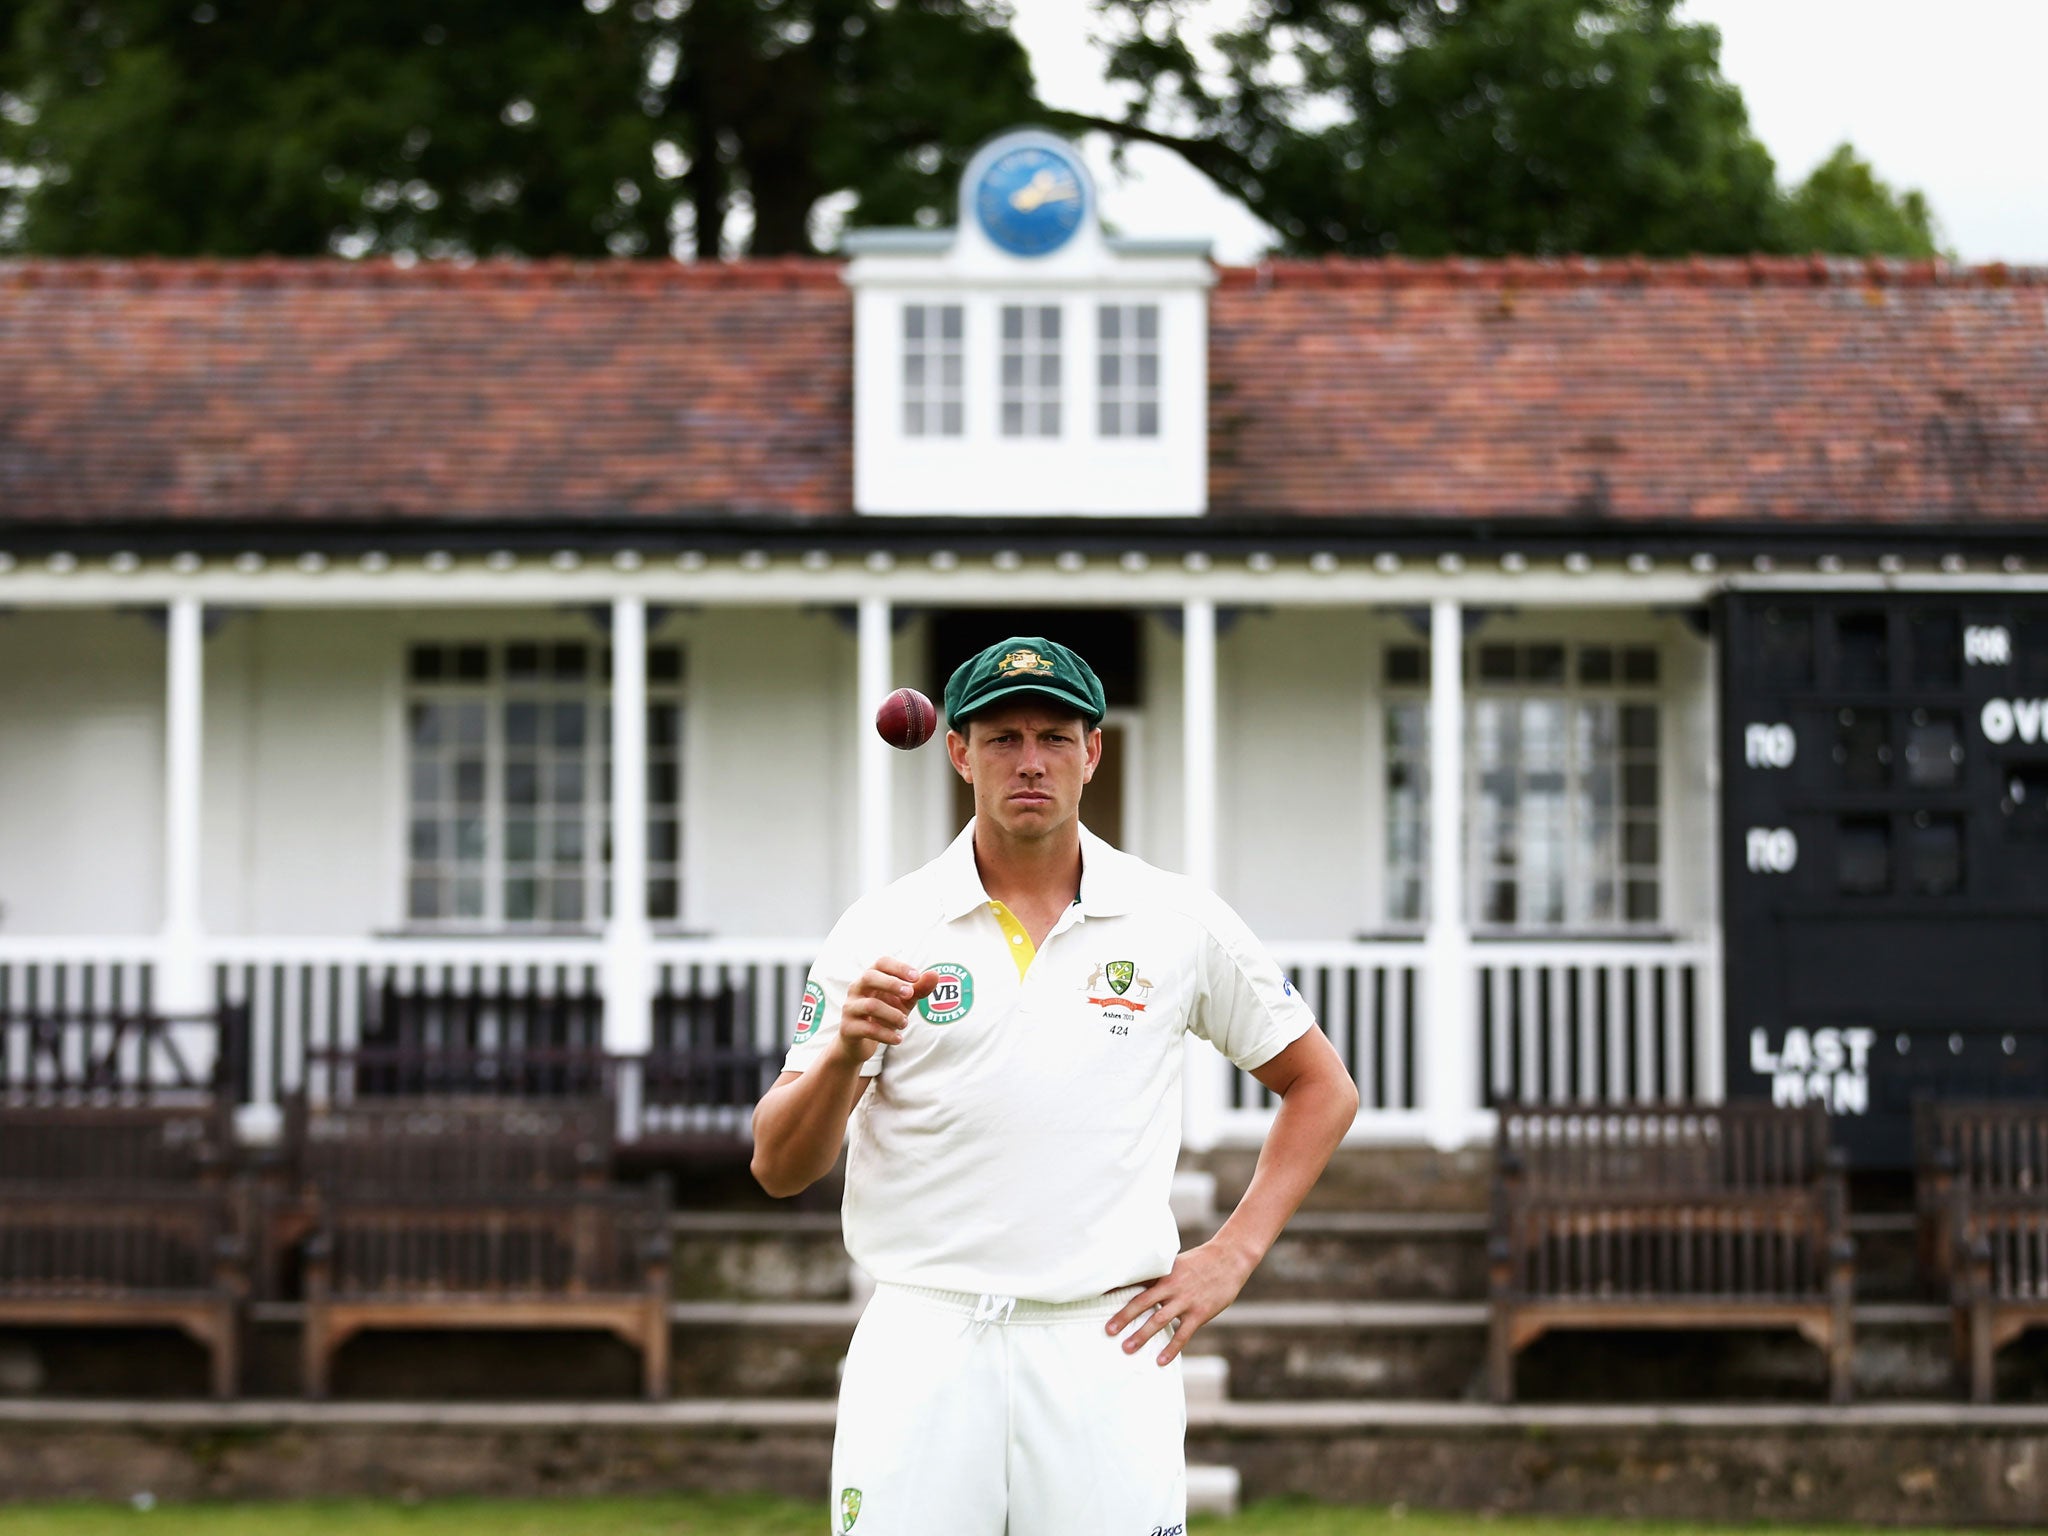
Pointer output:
x,y
1943,96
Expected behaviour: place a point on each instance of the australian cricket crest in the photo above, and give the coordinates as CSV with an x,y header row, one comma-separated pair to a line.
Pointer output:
x,y
849,1508
1028,662
1118,990
948,1001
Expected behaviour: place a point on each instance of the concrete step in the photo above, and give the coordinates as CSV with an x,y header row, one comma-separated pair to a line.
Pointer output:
x,y
1931,1464
1207,1378
1213,1490
759,1256
1388,1255
1276,1351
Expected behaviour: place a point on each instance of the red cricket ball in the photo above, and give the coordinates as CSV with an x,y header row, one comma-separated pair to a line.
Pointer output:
x,y
906,719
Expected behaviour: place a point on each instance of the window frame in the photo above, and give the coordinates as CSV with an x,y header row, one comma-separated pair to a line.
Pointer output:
x,y
495,869
1121,406
932,351
1031,396
1573,693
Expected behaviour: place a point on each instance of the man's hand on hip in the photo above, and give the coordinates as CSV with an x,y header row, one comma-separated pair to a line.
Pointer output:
x,y
1201,1284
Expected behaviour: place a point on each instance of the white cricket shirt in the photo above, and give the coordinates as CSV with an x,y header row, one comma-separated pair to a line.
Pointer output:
x,y
1022,1139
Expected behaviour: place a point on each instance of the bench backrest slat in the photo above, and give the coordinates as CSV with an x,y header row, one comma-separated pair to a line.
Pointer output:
x,y
1698,1202
88,1145
453,1146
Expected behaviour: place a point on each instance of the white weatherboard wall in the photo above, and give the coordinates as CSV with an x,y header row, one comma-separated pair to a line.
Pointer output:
x,y
1294,800
770,778
1155,801
81,773
304,764
303,728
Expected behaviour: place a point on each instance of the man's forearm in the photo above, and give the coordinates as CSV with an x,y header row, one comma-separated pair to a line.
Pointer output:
x,y
800,1125
1313,1117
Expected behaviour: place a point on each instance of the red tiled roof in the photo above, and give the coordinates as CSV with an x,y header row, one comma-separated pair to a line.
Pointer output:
x,y
322,390
1752,389
1735,389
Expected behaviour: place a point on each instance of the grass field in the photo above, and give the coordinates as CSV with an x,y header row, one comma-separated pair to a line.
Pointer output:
x,y
736,1517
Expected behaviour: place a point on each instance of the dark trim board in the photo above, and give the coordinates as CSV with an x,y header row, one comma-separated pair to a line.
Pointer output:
x,y
1427,533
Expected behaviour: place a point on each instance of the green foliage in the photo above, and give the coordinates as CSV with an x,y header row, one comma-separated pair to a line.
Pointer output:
x,y
447,127
586,127
1433,127
1844,208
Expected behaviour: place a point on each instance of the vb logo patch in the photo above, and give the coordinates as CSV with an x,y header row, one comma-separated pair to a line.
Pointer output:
x,y
948,1002
810,1013
849,1508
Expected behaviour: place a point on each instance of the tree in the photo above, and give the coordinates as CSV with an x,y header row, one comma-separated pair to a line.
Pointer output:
x,y
1431,127
445,127
1844,208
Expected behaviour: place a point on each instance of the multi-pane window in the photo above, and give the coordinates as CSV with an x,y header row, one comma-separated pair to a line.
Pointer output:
x,y
934,371
510,784
1031,370
1562,793
1127,359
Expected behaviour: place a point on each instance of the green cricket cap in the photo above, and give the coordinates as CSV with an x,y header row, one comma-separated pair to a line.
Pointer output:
x,y
1020,665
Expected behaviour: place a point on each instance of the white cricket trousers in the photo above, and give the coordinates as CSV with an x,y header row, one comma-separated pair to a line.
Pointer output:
x,y
965,1415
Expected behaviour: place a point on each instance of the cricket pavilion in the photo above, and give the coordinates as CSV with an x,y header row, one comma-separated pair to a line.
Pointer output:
x,y
1600,682
1413,585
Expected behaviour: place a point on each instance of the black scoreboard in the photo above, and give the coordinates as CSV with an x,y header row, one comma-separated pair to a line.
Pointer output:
x,y
1885,853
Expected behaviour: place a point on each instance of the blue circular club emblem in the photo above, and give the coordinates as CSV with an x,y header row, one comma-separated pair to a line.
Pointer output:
x,y
1031,199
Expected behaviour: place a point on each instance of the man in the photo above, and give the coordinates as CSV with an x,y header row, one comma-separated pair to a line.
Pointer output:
x,y
1003,1031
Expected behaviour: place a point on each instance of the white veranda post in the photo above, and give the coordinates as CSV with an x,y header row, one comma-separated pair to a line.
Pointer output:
x,y
181,975
629,961
1205,1074
872,670
1450,1054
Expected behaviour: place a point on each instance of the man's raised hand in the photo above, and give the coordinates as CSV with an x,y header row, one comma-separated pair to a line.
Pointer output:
x,y
878,1006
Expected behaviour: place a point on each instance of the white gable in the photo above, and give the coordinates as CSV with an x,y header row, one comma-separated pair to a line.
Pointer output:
x,y
1067,374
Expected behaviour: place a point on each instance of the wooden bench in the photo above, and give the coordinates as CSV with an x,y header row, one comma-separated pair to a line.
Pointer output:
x,y
1729,1216
122,1215
1983,1196
452,1145
472,1213
583,1259
119,1205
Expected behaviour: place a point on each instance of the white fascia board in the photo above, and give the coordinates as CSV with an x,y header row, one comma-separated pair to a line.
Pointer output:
x,y
962,581
923,274
896,242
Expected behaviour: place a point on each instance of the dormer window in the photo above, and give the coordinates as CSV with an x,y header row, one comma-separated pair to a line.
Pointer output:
x,y
1027,362
1127,384
1031,370
934,371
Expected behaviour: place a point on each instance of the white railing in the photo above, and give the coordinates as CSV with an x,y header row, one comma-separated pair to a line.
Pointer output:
x,y
85,984
726,1007
1598,1023
1553,1022
305,996
76,975
1369,999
